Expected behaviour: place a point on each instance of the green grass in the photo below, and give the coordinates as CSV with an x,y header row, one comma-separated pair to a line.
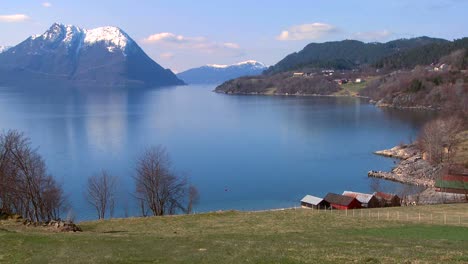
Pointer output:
x,y
291,236
352,88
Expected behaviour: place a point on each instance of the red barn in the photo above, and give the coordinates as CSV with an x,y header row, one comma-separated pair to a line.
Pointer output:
x,y
453,183
342,202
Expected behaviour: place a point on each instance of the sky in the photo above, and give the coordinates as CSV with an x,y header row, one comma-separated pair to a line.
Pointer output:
x,y
184,34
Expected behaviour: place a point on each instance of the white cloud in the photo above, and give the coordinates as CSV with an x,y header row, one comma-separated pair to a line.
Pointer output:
x,y
231,45
311,31
172,40
372,35
169,37
13,18
46,4
166,55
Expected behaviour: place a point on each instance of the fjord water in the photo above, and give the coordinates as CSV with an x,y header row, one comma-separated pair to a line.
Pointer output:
x,y
242,152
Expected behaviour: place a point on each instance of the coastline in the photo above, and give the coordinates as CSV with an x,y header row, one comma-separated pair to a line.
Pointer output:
x,y
371,101
412,168
297,95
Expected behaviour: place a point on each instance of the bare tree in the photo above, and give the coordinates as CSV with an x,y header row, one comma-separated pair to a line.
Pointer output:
x,y
438,139
26,188
100,193
193,198
158,188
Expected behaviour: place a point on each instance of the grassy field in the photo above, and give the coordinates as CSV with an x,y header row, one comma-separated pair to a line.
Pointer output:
x,y
351,88
290,236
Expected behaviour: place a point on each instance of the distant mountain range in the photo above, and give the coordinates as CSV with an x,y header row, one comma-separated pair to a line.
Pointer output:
x,y
220,73
348,54
104,56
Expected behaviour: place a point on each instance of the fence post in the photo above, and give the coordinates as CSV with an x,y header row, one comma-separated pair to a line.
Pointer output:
x,y
419,217
378,215
445,218
388,215
431,218
459,220
406,216
398,215
361,213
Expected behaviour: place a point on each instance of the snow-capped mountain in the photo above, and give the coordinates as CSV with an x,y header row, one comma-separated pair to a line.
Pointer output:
x,y
215,73
103,56
4,48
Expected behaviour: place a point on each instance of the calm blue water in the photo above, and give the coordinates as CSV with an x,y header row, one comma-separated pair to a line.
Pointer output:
x,y
242,152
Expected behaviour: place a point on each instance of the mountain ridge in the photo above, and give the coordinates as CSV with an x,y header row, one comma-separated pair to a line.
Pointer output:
x,y
218,73
346,54
103,56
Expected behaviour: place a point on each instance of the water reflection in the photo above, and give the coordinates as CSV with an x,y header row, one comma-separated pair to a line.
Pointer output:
x,y
243,152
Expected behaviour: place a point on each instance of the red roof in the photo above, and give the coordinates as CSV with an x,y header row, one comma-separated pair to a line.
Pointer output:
x,y
339,199
455,177
386,196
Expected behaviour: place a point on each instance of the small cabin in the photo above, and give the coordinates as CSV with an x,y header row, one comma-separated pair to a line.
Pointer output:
x,y
387,199
342,202
366,200
310,201
298,74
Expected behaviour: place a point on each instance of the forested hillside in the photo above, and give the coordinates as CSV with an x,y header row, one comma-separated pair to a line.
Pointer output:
x,y
347,54
424,55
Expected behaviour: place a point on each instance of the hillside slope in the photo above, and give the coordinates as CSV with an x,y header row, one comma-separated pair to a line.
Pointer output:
x,y
347,54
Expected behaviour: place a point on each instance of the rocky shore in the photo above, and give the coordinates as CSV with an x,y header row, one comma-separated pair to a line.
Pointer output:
x,y
381,104
412,169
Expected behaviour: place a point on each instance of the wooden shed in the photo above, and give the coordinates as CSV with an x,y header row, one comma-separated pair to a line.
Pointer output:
x,y
310,201
342,202
388,199
453,183
366,200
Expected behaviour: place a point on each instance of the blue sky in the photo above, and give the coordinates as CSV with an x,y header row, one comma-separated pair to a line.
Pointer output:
x,y
185,34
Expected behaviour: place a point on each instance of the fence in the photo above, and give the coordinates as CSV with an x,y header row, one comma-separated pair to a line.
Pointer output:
x,y
416,214
408,214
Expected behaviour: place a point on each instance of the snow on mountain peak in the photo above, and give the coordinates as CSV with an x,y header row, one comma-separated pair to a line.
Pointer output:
x,y
253,63
220,66
113,37
59,32
4,48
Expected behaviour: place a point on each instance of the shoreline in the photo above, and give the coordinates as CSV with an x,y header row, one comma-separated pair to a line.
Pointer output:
x,y
369,100
412,168
297,95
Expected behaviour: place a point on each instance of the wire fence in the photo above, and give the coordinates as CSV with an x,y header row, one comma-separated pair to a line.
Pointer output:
x,y
407,214
396,214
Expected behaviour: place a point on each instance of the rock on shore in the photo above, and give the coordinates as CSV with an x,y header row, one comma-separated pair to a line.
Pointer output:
x,y
60,226
412,169
399,152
